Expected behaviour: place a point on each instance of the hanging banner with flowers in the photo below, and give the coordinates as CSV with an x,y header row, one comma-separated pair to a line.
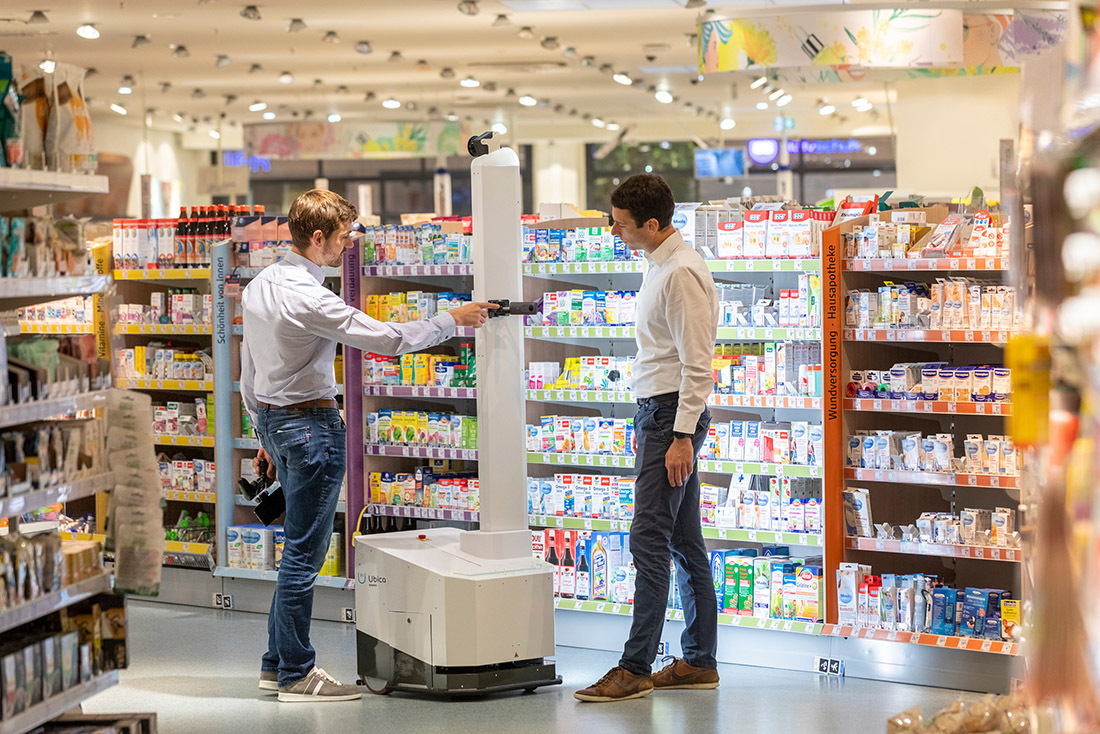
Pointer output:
x,y
845,44
324,140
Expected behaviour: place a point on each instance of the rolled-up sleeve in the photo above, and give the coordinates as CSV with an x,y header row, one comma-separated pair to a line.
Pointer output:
x,y
332,318
693,325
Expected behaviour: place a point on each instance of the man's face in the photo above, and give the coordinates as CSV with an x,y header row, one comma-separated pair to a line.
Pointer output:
x,y
332,251
627,229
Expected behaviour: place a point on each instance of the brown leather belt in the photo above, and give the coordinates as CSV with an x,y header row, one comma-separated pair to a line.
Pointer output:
x,y
306,405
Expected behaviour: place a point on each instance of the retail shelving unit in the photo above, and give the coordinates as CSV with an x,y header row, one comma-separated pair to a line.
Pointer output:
x,y
19,190
135,286
899,497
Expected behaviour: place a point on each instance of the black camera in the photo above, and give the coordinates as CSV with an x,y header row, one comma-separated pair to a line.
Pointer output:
x,y
269,497
512,308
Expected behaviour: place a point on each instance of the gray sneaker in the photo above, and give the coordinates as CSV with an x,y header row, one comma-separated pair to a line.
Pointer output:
x,y
269,681
318,686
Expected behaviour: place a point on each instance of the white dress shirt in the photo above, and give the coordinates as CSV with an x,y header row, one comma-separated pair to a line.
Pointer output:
x,y
291,325
676,326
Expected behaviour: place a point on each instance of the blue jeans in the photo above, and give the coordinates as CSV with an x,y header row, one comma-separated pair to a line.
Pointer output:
x,y
307,447
666,521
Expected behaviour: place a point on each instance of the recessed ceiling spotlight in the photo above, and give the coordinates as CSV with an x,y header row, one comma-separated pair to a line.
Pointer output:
x,y
664,96
342,89
559,108
489,86
229,99
126,86
776,94
269,115
38,17
297,25
89,31
499,128
369,97
363,47
164,86
215,134
468,7
598,123
470,83
257,106
761,105
528,101
607,69
221,61
118,108
396,57
447,73
181,52
623,79
178,117
613,126
695,4
589,61
250,12
255,69
286,78
526,33
331,37
92,71
501,21
140,40
550,43
391,104
826,109
422,65
334,117
451,117
198,94
317,84
570,53
784,100
760,81
727,123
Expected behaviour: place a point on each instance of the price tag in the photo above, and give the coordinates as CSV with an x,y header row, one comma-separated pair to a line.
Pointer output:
x,y
887,264
972,480
891,476
891,636
815,473
545,458
616,608
618,267
779,470
876,405
964,551
752,536
912,264
559,521
880,545
954,263
971,264
775,624
895,406
995,554
586,331
788,625
769,333
835,630
960,642
879,475
987,645
952,407
578,604
741,333
559,459
572,395
945,336
798,264
995,408
994,481
721,533
968,335
739,468
601,606
587,523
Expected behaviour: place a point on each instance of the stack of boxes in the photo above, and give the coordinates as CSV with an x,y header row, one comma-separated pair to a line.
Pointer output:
x,y
415,244
948,303
182,418
162,363
753,502
912,451
580,244
587,435
765,368
175,306
587,308
768,584
417,428
423,370
744,304
435,486
403,307
606,497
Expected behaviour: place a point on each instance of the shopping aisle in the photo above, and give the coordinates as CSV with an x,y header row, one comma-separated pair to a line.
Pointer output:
x,y
197,669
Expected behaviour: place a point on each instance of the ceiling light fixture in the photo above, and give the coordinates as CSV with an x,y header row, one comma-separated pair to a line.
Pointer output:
x,y
178,117
570,53
140,40
198,94
859,102
297,25
331,37
269,115
470,83
369,97
422,65
489,86
826,109
48,65
761,105
623,79
257,106
342,89
695,4
776,94
214,134
181,52
528,101
391,104
501,21
118,108
126,86
499,128
607,69
250,12
598,123
664,96
164,86
526,33
550,43
865,107
468,7
255,69
760,81
334,117
221,61
286,78
451,117
727,123
89,31
784,100
589,61
38,17
363,47
447,73
395,57
614,126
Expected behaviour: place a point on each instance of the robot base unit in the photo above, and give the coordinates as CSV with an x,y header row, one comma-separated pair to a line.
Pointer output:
x,y
432,618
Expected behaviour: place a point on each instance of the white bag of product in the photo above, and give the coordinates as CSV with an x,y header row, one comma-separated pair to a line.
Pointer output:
x,y
34,88
69,144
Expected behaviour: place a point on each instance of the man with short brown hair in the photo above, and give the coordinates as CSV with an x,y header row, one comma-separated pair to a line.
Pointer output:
x,y
291,326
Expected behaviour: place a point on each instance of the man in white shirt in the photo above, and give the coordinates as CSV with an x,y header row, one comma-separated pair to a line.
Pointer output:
x,y
291,325
676,325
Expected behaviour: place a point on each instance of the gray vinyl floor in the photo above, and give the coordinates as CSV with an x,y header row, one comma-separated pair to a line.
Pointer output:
x,y
197,669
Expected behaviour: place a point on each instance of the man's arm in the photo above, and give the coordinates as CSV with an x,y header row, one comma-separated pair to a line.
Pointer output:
x,y
333,319
689,320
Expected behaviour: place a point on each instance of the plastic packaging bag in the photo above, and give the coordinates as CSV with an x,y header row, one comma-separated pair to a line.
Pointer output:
x,y
36,114
11,117
69,144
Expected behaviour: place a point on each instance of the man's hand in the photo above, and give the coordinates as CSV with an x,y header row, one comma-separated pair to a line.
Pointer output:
x,y
679,460
472,314
261,455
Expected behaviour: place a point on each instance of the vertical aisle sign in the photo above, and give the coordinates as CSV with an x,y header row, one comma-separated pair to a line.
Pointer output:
x,y
833,475
353,411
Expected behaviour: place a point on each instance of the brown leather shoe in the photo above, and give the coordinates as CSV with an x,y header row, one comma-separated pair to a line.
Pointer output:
x,y
618,685
679,674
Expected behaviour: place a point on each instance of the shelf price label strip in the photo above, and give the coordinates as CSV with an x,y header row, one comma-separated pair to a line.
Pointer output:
x,y
996,481
942,550
950,642
424,513
935,407
706,466
878,265
421,452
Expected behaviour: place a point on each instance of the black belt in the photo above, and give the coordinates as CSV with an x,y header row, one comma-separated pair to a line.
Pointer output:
x,y
318,404
669,398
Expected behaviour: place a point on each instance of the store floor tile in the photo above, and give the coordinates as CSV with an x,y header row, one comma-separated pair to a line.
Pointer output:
x,y
197,669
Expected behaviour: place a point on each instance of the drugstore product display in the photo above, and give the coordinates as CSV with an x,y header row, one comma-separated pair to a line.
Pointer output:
x,y
423,370
42,247
260,548
76,312
435,486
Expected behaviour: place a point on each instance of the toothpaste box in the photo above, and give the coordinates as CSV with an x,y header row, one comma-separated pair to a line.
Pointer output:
x,y
718,576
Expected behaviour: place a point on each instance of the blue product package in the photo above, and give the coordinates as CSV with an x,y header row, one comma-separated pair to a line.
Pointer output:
x,y
991,628
621,252
750,552
776,550
630,437
975,605
943,611
718,575
601,308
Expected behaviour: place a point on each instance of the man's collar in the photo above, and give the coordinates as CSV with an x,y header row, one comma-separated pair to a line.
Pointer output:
x,y
666,249
303,262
